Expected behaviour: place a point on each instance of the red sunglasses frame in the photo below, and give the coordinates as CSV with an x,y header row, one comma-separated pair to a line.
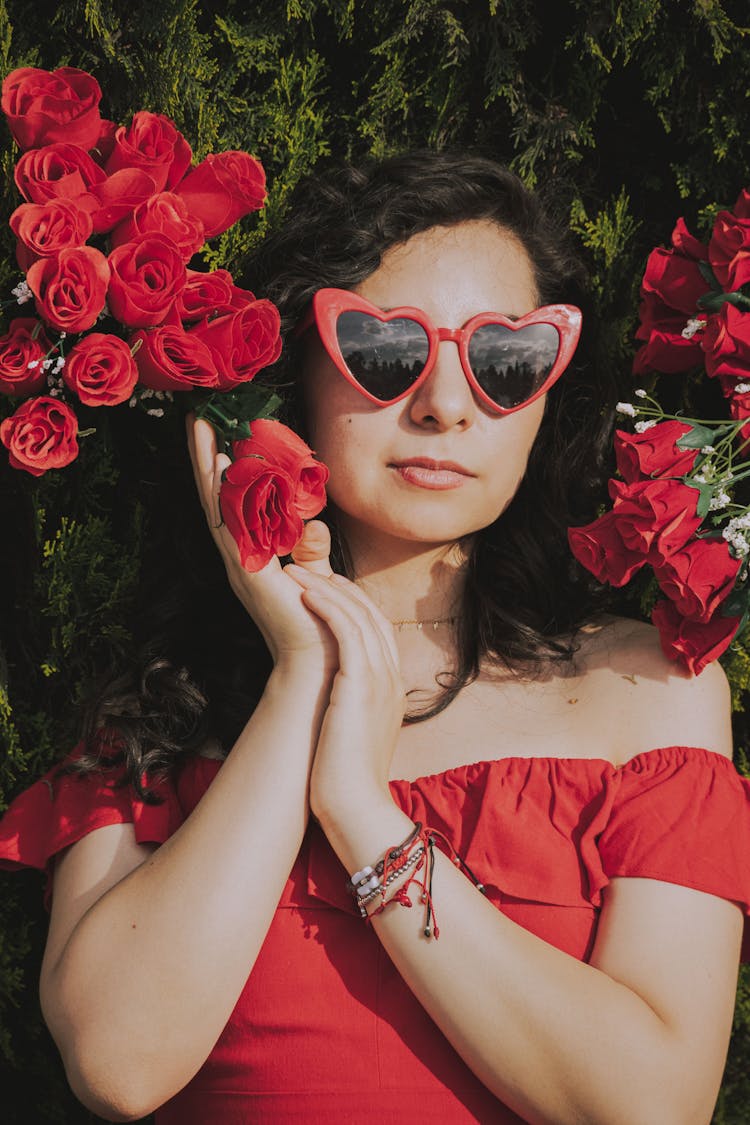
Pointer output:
x,y
328,304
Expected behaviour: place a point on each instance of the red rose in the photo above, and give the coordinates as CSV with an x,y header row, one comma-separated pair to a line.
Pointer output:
x,y
655,517
170,359
726,343
729,250
57,171
599,547
671,287
41,435
242,342
691,643
117,196
147,275
45,228
698,577
280,446
222,189
155,145
165,214
43,106
257,505
742,204
101,370
206,295
654,452
70,288
18,349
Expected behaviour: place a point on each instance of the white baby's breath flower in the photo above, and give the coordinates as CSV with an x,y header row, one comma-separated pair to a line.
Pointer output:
x,y
156,412
640,393
719,500
693,325
33,364
707,449
22,293
740,388
59,364
641,427
626,408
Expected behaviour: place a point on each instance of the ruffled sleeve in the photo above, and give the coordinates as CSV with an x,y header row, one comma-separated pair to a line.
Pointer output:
x,y
57,811
682,815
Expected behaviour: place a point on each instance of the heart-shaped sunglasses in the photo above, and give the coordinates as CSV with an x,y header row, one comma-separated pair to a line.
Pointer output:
x,y
387,355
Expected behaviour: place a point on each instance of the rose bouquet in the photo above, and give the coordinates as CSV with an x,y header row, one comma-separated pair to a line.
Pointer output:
x,y
112,219
677,506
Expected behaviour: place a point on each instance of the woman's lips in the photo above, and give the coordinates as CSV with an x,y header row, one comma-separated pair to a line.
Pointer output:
x,y
438,475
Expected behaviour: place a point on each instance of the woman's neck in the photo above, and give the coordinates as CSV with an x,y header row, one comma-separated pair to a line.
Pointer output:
x,y
410,582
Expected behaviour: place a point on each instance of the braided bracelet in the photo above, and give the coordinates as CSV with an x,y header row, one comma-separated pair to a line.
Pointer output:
x,y
368,879
413,854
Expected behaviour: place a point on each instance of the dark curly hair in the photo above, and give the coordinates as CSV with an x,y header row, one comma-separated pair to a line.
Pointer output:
x,y
200,671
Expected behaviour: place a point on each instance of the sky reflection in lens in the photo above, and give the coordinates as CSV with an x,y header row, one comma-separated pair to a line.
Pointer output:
x,y
386,357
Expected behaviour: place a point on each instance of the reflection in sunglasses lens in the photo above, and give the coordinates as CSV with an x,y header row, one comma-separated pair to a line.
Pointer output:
x,y
385,356
510,366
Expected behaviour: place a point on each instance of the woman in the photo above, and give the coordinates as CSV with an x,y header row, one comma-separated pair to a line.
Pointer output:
x,y
589,936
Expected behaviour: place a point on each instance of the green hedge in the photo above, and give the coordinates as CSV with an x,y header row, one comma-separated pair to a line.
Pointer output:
x,y
635,111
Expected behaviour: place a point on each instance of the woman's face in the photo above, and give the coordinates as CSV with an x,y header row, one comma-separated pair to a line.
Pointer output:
x,y
385,462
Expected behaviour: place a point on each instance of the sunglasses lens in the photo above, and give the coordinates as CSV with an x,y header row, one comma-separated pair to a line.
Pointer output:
x,y
385,356
510,366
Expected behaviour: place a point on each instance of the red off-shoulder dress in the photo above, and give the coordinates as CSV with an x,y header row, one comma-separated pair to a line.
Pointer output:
x,y
325,1030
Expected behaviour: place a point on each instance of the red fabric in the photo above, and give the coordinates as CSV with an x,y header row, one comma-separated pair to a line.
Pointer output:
x,y
313,1037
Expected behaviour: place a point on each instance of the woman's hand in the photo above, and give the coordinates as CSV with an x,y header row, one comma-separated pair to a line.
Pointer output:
x,y
272,599
367,702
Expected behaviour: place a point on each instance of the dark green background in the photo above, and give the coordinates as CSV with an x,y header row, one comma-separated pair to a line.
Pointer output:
x,y
634,112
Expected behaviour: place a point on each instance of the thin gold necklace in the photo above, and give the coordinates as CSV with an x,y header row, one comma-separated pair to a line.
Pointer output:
x,y
436,622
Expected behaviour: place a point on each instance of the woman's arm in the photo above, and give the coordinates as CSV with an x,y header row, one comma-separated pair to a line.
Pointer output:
x,y
637,1035
148,953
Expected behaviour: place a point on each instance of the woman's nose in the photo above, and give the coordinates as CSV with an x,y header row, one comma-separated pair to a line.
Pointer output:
x,y
444,399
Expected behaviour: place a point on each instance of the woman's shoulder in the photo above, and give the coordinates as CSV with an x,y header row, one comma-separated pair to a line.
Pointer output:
x,y
647,700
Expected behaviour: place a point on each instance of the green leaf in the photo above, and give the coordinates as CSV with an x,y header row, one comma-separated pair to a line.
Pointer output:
x,y
697,437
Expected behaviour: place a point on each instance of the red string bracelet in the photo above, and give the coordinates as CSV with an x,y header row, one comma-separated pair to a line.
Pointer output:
x,y
417,855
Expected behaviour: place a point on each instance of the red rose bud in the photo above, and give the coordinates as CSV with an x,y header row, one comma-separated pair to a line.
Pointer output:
x,y
599,547
154,144
654,453
18,348
655,517
257,505
45,228
70,288
242,342
698,577
222,189
101,370
57,171
692,643
726,343
165,214
41,435
170,359
43,106
729,250
280,446
147,276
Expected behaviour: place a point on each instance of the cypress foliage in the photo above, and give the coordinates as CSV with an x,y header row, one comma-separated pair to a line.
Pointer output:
x,y
626,113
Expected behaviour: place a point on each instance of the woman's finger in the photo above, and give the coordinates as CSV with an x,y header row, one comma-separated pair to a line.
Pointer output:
x,y
313,549
349,616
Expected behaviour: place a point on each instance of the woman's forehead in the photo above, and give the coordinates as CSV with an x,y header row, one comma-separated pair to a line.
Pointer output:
x,y
454,272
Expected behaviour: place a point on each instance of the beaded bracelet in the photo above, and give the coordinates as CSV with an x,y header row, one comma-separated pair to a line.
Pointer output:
x,y
416,852
368,879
